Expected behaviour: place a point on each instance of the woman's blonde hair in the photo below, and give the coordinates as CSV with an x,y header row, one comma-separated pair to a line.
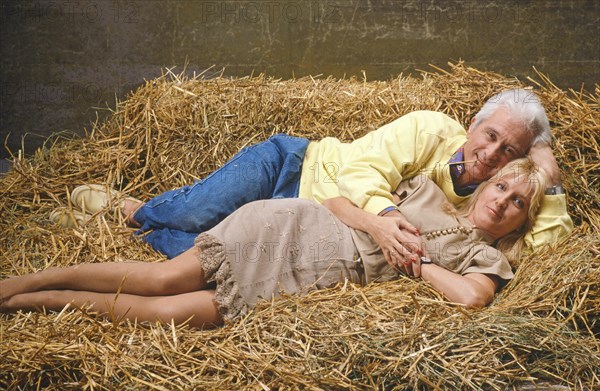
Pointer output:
x,y
519,170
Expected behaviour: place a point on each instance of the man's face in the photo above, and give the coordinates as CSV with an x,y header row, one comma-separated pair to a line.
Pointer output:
x,y
491,144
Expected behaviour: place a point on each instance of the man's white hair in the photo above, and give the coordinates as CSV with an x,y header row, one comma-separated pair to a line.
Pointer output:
x,y
523,106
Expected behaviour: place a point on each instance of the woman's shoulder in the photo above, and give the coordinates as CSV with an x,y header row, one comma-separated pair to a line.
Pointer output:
x,y
420,189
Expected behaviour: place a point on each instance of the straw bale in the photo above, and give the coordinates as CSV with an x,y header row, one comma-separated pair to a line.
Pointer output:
x,y
542,330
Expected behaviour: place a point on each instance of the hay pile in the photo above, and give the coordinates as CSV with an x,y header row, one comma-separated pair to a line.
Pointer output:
x,y
543,329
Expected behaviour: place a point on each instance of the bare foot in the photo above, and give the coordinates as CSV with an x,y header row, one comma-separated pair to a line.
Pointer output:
x,y
129,208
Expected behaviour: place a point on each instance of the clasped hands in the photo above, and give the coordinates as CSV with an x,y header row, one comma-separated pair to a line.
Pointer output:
x,y
400,242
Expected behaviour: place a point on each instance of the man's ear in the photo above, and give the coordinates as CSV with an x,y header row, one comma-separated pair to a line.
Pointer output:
x,y
472,126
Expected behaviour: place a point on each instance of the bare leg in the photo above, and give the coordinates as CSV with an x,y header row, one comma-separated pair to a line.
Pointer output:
x,y
179,308
182,274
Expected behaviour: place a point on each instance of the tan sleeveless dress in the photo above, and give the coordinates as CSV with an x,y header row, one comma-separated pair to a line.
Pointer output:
x,y
269,247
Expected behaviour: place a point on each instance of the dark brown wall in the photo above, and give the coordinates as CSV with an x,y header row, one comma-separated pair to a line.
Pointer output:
x,y
63,59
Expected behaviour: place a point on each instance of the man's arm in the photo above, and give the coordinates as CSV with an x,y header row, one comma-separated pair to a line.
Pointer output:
x,y
399,240
412,144
553,222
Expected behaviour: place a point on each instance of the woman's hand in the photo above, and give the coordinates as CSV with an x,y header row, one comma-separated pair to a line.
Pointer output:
x,y
399,240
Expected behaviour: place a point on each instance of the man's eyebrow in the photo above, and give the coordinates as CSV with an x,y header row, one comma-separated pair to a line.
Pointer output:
x,y
513,146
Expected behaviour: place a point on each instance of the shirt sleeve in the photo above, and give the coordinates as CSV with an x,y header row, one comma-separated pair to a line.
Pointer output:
x,y
552,223
488,260
383,158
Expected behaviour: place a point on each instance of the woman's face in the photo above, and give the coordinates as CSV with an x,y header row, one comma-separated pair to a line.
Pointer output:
x,y
502,207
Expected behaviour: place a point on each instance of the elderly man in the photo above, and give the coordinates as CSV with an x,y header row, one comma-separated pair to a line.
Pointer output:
x,y
510,125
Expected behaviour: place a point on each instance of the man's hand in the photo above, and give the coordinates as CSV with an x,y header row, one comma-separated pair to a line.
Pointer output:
x,y
399,240
544,158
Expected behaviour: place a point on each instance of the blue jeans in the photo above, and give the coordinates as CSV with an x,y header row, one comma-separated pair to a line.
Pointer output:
x,y
270,169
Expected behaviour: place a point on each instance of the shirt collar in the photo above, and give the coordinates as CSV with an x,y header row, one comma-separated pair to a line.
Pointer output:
x,y
457,170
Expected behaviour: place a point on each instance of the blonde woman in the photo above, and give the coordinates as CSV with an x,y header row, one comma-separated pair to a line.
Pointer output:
x,y
296,245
